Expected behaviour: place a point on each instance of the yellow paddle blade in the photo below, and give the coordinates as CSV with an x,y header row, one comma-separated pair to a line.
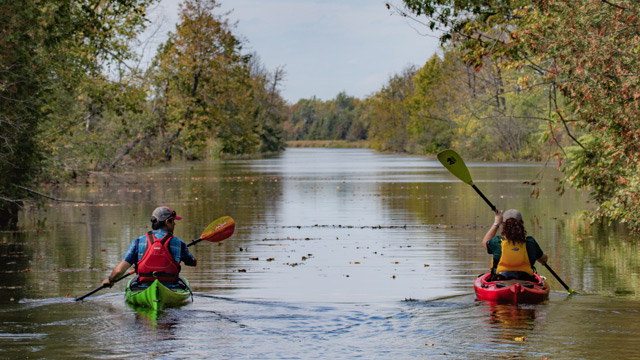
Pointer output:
x,y
454,163
219,229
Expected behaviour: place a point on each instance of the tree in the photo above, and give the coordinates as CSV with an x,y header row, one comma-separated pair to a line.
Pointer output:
x,y
390,113
48,47
210,92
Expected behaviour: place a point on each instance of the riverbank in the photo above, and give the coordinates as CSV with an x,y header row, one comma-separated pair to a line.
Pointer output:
x,y
336,144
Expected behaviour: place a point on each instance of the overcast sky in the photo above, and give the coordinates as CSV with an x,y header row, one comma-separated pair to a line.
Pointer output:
x,y
325,46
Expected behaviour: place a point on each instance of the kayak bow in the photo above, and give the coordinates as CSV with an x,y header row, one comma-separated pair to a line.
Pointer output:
x,y
157,296
511,291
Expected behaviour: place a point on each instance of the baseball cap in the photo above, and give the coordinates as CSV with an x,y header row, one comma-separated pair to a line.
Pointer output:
x,y
163,213
511,214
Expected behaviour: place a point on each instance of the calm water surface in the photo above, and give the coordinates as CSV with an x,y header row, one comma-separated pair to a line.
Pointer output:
x,y
337,254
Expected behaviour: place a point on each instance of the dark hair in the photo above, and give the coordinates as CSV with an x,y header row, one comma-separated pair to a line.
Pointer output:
x,y
513,230
155,224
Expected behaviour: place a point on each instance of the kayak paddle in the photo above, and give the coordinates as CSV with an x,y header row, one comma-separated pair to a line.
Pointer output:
x,y
569,290
217,231
454,163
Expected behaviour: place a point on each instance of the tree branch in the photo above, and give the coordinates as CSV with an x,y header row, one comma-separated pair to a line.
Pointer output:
x,y
51,197
614,5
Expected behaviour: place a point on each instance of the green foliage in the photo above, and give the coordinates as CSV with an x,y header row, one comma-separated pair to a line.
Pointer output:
x,y
337,119
48,48
389,116
209,90
581,56
446,103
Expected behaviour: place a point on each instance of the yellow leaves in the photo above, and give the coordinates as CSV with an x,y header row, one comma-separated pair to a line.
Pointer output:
x,y
525,81
520,338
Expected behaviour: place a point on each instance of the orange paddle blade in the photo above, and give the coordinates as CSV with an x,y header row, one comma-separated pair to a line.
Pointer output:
x,y
219,230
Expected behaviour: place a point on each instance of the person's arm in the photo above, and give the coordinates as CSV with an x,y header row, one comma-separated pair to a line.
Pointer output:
x,y
117,271
543,259
536,251
130,257
493,230
186,256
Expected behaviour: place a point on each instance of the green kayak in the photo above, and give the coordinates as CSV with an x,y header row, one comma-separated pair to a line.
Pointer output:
x,y
157,296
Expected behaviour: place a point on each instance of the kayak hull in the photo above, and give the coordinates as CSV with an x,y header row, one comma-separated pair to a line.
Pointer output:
x,y
511,291
157,296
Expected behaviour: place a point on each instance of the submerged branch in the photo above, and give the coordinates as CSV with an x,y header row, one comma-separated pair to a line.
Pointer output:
x,y
51,197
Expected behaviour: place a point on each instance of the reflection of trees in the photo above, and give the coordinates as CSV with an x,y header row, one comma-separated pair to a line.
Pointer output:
x,y
608,255
14,267
511,321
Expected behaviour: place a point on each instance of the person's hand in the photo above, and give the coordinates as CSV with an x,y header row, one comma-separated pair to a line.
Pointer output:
x,y
498,218
107,283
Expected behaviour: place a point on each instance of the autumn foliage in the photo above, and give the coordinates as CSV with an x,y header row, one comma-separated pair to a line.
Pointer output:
x,y
585,54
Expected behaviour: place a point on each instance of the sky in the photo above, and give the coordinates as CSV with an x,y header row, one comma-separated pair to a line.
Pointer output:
x,y
325,46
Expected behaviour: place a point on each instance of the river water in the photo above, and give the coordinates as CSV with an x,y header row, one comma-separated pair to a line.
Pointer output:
x,y
337,254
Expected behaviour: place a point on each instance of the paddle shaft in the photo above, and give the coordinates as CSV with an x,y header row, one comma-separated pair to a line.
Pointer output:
x,y
104,286
493,207
559,280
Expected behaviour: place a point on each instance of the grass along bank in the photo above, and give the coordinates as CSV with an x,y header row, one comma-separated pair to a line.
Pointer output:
x,y
340,144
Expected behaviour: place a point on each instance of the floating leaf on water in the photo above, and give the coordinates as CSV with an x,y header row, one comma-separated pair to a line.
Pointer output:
x,y
520,338
254,259
270,259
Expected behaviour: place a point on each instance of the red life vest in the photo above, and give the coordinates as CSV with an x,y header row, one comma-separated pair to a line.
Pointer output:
x,y
157,262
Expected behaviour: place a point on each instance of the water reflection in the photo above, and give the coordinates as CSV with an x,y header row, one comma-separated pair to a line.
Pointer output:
x,y
511,322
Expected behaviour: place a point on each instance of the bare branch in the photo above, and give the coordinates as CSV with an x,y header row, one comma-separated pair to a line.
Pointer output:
x,y
51,197
614,5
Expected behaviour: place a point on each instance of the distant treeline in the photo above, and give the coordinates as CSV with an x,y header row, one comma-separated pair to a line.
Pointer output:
x,y
483,112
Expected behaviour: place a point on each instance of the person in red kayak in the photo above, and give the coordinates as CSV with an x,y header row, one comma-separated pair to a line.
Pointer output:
x,y
514,253
156,254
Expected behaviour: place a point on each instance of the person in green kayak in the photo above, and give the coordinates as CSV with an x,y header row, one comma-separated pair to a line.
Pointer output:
x,y
514,253
156,254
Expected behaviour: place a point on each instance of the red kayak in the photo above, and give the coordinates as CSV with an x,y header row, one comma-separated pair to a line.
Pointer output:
x,y
511,291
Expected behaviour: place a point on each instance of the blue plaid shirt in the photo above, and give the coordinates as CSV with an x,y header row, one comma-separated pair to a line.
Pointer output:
x,y
177,247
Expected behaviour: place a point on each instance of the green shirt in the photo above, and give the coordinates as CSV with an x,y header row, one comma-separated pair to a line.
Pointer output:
x,y
494,246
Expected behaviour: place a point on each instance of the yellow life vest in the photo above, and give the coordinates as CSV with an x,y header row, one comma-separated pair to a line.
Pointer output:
x,y
514,257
